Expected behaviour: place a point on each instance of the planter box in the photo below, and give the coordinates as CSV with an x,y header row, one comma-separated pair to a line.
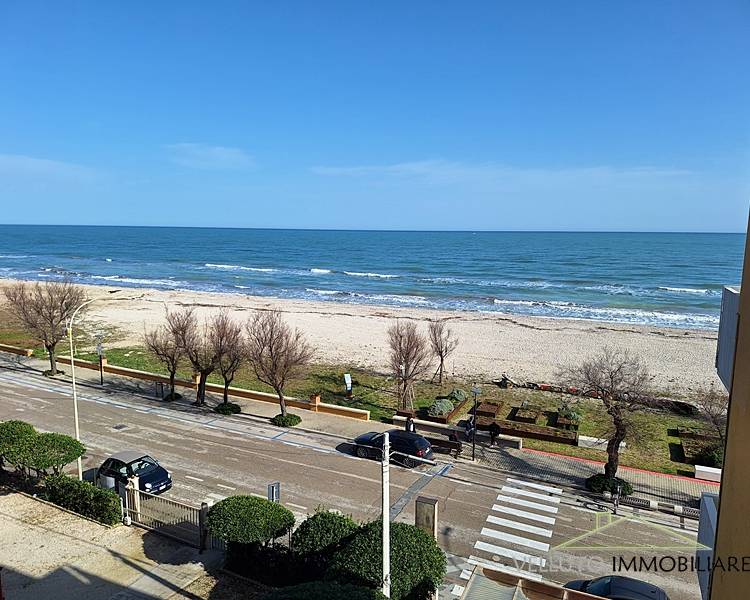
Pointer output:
x,y
564,423
488,409
528,430
708,473
696,433
527,415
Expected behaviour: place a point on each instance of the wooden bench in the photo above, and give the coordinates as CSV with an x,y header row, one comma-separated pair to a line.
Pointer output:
x,y
445,446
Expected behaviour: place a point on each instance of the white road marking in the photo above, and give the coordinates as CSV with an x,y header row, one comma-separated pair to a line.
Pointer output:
x,y
519,492
536,486
257,495
459,481
520,526
527,504
465,574
513,554
457,590
297,506
226,487
291,444
322,450
523,514
145,412
193,478
475,560
514,539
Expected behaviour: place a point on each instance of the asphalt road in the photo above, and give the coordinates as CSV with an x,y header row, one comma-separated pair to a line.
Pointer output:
x,y
485,517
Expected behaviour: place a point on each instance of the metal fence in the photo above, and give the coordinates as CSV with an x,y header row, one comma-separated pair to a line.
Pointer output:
x,y
177,520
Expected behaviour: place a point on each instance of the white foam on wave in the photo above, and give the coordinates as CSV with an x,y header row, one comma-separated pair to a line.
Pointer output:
x,y
138,281
324,292
239,268
371,275
689,290
321,271
108,259
14,256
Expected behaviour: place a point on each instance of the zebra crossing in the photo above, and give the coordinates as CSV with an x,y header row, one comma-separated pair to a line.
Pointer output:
x,y
516,536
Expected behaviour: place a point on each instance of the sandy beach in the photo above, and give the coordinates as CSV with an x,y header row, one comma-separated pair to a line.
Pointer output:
x,y
526,348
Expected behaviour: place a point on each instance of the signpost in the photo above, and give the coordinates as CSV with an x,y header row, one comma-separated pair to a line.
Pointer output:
x,y
476,390
100,354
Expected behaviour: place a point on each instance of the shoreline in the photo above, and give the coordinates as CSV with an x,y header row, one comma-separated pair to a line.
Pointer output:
x,y
490,344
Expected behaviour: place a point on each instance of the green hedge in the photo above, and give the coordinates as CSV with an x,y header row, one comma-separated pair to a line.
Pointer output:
x,y
83,498
23,447
249,520
288,420
228,408
14,436
322,533
418,565
710,456
601,483
325,590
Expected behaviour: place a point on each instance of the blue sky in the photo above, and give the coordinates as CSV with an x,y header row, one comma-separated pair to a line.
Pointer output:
x,y
397,115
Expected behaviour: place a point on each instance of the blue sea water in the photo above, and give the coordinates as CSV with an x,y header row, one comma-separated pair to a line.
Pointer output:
x,y
665,279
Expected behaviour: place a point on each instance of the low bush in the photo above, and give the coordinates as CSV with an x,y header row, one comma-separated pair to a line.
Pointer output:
x,y
83,498
418,565
317,538
228,408
13,438
710,455
456,396
601,483
441,407
325,590
249,520
52,451
288,420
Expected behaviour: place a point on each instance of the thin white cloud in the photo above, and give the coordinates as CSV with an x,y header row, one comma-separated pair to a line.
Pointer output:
x,y
214,158
21,167
440,172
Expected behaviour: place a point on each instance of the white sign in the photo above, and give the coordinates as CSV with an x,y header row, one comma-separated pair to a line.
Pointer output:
x,y
348,382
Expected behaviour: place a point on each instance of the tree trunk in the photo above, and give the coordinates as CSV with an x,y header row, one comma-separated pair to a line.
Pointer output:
x,y
200,398
282,401
227,383
52,361
171,384
440,372
613,450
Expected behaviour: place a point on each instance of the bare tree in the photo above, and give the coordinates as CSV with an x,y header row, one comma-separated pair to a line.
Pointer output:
x,y
714,405
230,347
443,344
276,351
409,359
164,344
44,309
621,381
198,343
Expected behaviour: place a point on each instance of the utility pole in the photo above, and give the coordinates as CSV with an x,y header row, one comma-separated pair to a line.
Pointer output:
x,y
476,390
386,507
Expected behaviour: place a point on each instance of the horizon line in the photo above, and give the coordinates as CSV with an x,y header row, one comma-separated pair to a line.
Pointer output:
x,y
365,230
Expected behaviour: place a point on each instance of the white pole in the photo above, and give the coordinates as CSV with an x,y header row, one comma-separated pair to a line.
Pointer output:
x,y
386,517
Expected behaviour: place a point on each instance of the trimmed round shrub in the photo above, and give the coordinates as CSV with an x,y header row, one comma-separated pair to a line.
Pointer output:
x,y
249,520
325,590
83,498
601,483
418,565
13,435
441,406
288,420
710,456
228,408
319,536
53,451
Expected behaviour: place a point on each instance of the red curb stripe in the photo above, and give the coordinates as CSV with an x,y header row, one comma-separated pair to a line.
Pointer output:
x,y
597,462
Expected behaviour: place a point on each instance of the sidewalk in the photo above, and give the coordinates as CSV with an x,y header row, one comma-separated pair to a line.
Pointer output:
x,y
573,472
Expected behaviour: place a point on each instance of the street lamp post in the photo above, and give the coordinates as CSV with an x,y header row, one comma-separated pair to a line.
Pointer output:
x,y
73,375
386,507
476,390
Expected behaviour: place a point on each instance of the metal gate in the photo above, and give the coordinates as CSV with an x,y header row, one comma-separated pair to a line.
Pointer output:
x,y
177,520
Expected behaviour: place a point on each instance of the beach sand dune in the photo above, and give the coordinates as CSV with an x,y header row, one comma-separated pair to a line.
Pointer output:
x,y
526,348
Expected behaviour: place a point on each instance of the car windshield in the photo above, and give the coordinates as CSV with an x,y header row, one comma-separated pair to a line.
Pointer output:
x,y
599,586
143,466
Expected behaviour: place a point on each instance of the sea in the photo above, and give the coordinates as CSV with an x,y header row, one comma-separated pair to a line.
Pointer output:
x,y
660,279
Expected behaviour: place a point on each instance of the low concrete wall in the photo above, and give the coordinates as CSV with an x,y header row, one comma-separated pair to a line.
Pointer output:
x,y
14,350
314,406
708,473
585,441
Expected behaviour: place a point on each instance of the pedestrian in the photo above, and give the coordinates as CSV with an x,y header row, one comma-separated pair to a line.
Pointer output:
x,y
410,425
494,432
470,428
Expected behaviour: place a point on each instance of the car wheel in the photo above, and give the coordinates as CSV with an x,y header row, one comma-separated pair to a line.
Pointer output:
x,y
362,452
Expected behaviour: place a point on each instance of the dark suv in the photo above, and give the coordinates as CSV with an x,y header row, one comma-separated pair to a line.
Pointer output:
x,y
403,443
116,470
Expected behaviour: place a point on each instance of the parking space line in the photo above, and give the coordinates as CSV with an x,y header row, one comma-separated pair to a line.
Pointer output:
x,y
514,539
226,487
193,478
292,504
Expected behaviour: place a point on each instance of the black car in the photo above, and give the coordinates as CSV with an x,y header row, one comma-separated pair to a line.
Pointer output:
x,y
616,587
403,443
118,468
